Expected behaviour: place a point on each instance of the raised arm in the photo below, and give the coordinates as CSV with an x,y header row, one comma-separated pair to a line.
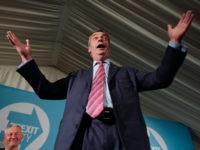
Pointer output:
x,y
176,34
24,50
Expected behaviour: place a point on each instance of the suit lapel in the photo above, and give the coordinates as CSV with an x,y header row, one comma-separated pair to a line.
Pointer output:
x,y
112,70
88,77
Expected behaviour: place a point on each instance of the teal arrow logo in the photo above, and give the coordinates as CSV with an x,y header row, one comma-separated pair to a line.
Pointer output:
x,y
30,126
33,120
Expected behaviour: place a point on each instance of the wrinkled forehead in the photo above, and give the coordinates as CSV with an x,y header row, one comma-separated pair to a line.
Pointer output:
x,y
99,34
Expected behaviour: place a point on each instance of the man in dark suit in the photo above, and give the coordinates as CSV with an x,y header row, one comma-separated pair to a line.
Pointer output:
x,y
120,125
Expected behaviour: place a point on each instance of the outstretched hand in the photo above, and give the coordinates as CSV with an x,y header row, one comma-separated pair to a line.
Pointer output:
x,y
176,34
24,50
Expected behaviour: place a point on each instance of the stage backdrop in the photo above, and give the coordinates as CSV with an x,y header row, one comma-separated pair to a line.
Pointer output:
x,y
40,120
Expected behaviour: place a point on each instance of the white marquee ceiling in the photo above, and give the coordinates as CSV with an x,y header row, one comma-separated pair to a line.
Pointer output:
x,y
58,31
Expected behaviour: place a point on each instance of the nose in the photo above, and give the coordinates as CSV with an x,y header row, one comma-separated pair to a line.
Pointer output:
x,y
13,136
100,39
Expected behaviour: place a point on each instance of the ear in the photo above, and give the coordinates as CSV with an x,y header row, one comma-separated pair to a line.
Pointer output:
x,y
89,51
3,138
22,136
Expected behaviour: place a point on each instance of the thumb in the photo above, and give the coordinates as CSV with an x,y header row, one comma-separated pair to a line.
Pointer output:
x,y
27,43
169,27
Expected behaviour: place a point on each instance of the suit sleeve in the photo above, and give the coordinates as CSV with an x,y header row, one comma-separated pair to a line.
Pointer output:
x,y
164,74
43,88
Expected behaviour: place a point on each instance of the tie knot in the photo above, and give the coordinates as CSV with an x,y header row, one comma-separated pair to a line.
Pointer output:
x,y
100,62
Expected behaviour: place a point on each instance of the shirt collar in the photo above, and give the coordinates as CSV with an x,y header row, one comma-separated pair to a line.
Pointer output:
x,y
106,61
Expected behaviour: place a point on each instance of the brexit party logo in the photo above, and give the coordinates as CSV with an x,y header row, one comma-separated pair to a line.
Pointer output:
x,y
157,142
33,120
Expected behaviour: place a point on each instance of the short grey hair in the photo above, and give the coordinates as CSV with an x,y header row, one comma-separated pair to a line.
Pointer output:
x,y
12,125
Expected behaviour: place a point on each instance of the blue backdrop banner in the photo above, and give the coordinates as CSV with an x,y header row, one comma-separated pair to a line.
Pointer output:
x,y
168,135
40,121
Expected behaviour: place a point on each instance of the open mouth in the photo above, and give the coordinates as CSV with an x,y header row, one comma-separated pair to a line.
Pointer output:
x,y
101,46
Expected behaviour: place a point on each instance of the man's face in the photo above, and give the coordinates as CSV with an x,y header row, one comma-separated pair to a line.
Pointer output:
x,y
99,46
12,137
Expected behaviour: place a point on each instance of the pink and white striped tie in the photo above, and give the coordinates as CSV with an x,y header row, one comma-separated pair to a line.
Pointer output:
x,y
95,100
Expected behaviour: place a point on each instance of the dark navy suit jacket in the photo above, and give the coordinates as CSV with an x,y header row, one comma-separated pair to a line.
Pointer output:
x,y
124,85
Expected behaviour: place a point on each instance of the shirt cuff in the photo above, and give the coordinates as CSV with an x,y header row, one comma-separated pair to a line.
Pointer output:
x,y
173,44
23,64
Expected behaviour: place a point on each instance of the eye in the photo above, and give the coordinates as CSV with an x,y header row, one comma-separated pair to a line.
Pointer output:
x,y
105,38
10,134
95,38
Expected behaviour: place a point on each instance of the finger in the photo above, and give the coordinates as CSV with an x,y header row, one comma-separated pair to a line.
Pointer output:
x,y
11,36
189,12
27,43
188,16
191,18
10,40
169,27
182,18
189,21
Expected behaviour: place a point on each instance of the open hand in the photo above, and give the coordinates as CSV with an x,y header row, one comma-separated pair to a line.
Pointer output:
x,y
176,34
24,50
